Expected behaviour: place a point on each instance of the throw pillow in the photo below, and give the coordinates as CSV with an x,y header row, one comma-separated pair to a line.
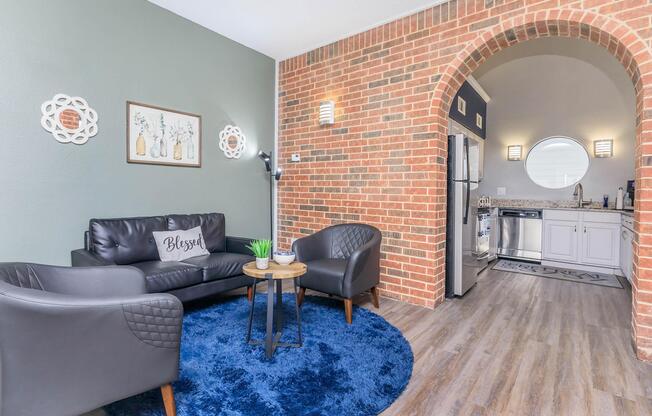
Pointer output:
x,y
180,245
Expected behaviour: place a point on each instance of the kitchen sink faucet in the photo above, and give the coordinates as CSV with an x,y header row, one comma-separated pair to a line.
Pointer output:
x,y
579,194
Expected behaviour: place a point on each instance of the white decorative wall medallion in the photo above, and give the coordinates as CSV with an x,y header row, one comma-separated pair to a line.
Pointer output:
x,y
232,142
69,119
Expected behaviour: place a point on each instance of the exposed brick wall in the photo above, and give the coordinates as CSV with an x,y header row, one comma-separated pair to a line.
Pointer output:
x,y
384,160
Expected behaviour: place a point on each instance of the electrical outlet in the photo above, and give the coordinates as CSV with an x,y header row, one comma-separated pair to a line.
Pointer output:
x,y
501,191
296,157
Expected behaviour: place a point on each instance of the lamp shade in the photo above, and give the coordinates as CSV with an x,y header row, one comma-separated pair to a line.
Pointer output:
x,y
603,148
326,113
514,152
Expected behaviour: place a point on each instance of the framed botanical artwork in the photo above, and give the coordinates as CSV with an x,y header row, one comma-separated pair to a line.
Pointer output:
x,y
160,136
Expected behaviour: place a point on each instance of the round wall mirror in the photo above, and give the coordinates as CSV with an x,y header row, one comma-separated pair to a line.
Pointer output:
x,y
557,162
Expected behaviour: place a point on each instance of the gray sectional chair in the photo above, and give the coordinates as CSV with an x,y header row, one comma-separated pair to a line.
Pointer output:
x,y
343,260
75,339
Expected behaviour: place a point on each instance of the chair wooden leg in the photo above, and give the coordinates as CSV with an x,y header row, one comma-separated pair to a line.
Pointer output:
x,y
302,293
168,400
374,297
348,310
250,293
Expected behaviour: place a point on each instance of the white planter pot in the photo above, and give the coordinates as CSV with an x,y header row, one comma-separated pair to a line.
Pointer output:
x,y
262,263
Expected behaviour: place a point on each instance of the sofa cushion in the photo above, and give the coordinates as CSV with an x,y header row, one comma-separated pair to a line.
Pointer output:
x,y
163,276
324,275
220,265
212,225
125,240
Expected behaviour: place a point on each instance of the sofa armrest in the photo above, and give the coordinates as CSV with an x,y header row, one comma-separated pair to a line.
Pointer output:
x,y
85,258
238,245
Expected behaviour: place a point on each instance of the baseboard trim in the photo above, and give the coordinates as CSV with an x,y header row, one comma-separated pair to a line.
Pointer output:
x,y
575,266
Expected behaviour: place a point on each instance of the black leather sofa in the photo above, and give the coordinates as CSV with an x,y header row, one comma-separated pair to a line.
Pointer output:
x,y
129,241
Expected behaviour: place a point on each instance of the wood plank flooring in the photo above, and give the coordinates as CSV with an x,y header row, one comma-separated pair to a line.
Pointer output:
x,y
521,345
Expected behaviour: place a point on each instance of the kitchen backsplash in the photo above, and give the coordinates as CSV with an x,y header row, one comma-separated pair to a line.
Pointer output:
x,y
541,203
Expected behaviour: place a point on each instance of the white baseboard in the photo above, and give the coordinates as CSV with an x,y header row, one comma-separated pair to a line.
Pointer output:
x,y
575,266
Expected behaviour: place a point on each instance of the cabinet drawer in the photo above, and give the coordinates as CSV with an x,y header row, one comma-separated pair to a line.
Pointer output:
x,y
561,215
603,217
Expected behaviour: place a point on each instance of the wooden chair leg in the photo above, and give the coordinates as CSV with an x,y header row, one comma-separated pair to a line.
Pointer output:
x,y
348,310
374,297
250,293
302,293
168,400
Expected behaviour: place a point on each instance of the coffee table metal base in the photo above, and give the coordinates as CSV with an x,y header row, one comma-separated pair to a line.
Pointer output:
x,y
274,317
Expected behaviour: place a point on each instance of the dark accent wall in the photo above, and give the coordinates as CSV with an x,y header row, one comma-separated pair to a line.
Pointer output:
x,y
475,104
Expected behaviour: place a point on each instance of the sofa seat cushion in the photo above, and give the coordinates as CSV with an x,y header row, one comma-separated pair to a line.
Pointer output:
x,y
325,275
163,276
220,265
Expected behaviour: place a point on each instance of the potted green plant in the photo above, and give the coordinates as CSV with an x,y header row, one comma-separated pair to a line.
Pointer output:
x,y
261,250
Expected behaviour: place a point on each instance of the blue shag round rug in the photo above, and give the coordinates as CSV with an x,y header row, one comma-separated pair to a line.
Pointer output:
x,y
357,369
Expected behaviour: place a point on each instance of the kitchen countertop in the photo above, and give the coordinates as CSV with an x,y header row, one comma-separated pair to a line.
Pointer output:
x,y
618,211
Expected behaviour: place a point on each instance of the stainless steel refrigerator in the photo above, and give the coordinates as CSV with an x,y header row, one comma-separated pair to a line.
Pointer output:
x,y
467,231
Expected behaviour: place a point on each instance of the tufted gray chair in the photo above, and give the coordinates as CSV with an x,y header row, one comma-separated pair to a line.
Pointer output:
x,y
343,260
75,339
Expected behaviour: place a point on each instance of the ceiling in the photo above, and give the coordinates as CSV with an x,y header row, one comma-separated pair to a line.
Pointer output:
x,y
285,28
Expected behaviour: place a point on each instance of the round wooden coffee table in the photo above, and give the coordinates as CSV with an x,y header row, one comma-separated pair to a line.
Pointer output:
x,y
278,273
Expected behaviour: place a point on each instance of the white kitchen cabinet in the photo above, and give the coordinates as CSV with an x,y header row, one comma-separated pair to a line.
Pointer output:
x,y
585,238
600,244
626,253
560,240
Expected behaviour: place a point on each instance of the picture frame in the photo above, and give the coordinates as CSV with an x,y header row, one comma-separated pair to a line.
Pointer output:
x,y
478,120
162,136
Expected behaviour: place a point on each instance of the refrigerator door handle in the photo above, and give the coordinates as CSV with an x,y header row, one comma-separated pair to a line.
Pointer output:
x,y
468,181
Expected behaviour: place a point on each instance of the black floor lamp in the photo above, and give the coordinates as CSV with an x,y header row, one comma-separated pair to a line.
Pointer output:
x,y
273,175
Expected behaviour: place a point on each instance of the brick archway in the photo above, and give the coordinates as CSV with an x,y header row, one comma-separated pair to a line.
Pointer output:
x,y
635,56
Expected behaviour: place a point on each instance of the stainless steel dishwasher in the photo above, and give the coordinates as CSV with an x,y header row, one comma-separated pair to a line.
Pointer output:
x,y
519,233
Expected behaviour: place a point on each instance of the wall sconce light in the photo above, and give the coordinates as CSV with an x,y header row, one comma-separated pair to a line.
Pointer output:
x,y
326,113
603,148
514,152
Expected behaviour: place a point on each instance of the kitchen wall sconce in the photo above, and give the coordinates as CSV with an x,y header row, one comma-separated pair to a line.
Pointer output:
x,y
327,113
603,148
514,152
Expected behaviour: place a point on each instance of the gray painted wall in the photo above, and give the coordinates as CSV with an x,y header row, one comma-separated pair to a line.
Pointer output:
x,y
551,87
108,52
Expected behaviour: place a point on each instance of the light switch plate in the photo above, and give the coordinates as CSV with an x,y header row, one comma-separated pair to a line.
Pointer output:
x,y
296,157
501,191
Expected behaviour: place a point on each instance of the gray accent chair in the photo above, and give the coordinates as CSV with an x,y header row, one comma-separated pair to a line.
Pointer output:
x,y
75,339
343,260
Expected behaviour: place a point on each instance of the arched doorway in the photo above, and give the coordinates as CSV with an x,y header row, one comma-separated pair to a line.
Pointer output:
x,y
635,56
